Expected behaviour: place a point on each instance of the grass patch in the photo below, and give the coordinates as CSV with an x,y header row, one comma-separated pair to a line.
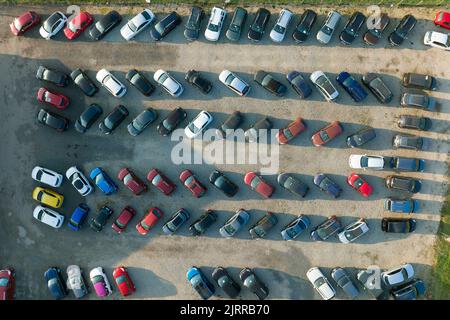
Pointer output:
x,y
440,288
235,2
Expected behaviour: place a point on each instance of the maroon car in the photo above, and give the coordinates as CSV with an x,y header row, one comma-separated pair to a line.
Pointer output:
x,y
258,184
161,182
77,25
326,134
192,184
7,284
123,219
24,22
131,181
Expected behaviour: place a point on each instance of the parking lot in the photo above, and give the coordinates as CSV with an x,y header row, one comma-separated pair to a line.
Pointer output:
x,y
158,263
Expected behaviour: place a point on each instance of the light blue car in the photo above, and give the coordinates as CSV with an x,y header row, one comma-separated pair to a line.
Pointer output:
x,y
103,181
200,283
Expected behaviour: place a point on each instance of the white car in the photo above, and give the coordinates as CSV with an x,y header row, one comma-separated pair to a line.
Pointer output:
x,y
321,283
363,161
437,40
52,25
100,282
236,84
114,86
48,216
353,231
137,24
325,86
196,126
398,276
79,181
47,176
326,32
279,29
172,86
215,24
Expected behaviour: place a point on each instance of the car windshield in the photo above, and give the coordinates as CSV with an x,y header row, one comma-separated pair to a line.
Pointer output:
x,y
97,279
325,85
348,82
189,181
121,279
327,30
202,289
324,136
352,234
163,78
128,178
17,24
364,162
230,229
279,29
194,129
213,27
132,26
156,179
291,232
358,182
3,282
287,133
254,183
229,79
72,26
99,26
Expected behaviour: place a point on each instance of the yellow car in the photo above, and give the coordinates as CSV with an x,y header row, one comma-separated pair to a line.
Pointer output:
x,y
48,197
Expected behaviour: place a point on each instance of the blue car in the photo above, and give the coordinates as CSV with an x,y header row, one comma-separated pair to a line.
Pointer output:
x,y
353,88
200,283
103,181
78,216
401,206
55,283
295,228
326,184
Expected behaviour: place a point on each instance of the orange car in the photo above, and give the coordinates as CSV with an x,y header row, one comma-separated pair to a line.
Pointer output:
x,y
326,134
291,131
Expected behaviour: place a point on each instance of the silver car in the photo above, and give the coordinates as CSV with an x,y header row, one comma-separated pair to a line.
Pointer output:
x,y
279,29
325,86
326,32
75,281
235,223
236,84
138,23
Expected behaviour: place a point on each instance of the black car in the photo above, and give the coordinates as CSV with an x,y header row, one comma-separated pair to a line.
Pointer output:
x,y
221,182
303,28
171,121
326,229
299,84
373,35
113,119
99,221
258,25
193,77
231,123
401,31
263,226
192,27
414,122
142,121
410,291
163,27
237,22
204,222
253,133
352,27
407,164
104,25
140,82
343,280
419,81
292,184
83,82
270,83
52,120
224,281
253,283
377,86
53,76
398,225
326,184
361,137
88,117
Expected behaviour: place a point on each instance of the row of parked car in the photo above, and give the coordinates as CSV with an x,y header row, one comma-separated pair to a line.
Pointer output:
x,y
57,21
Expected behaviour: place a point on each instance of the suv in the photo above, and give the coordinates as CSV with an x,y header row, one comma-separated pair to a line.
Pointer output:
x,y
236,24
407,164
258,25
99,221
352,27
401,31
372,36
204,222
403,183
164,26
326,32
407,142
414,122
215,24
279,29
192,27
419,81
326,229
303,28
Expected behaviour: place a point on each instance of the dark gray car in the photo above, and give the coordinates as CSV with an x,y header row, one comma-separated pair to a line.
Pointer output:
x,y
292,184
299,84
361,137
407,164
377,86
404,141
345,282
414,122
237,22
192,27
419,81
203,223
253,133
142,121
326,229
231,123
263,226
417,100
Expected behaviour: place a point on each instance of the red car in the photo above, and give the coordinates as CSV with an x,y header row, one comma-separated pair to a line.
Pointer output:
x,y
161,182
192,184
123,281
442,19
326,134
258,184
123,219
57,100
291,131
7,284
24,22
150,219
131,181
360,185
77,25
